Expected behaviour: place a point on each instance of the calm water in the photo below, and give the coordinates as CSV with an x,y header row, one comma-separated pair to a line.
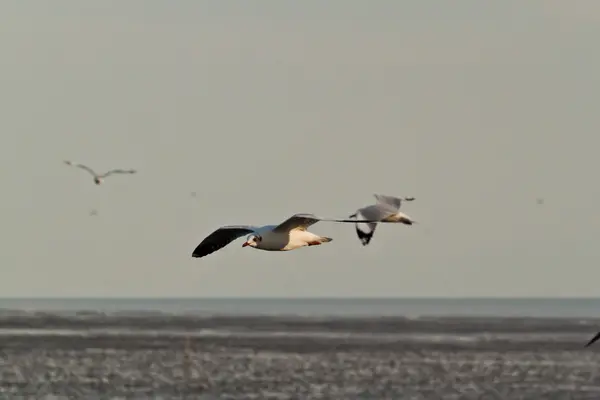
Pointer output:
x,y
409,307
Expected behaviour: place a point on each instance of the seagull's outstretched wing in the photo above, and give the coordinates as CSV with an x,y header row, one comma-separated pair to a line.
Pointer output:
x,y
303,221
592,340
118,171
376,212
221,238
393,201
84,167
365,231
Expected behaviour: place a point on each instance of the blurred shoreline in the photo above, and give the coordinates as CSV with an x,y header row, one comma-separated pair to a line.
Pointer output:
x,y
266,331
103,355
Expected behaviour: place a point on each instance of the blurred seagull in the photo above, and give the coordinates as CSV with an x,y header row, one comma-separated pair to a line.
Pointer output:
x,y
99,178
289,235
385,210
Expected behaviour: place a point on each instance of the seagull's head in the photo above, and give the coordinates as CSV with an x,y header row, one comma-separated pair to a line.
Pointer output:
x,y
252,241
97,180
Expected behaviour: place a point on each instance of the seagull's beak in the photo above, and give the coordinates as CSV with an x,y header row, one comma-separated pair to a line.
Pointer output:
x,y
245,244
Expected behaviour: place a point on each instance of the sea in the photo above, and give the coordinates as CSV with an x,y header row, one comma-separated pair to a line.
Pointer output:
x,y
307,348
335,307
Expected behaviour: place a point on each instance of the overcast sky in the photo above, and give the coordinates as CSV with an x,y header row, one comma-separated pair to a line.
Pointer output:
x,y
269,108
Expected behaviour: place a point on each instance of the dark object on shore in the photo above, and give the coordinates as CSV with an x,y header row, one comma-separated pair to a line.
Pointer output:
x,y
594,339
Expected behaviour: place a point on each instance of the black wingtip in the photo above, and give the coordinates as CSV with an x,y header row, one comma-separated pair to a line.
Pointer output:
x,y
197,253
364,238
202,250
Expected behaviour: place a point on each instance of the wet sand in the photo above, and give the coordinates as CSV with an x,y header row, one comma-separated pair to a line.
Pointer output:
x,y
98,356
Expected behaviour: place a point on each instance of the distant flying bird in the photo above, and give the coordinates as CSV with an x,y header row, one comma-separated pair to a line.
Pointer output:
x,y
99,178
289,235
386,210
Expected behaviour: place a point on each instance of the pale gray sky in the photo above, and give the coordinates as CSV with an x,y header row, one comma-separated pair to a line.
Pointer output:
x,y
268,108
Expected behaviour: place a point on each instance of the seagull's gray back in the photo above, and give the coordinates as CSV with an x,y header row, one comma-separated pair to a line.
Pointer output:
x,y
391,201
376,212
266,228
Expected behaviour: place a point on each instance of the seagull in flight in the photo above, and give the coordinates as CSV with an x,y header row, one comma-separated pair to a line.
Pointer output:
x,y
99,178
385,210
289,235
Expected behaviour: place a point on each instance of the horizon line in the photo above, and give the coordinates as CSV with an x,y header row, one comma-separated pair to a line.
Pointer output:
x,y
298,298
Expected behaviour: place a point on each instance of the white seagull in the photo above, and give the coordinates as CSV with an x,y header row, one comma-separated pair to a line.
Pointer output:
x,y
386,210
289,235
98,178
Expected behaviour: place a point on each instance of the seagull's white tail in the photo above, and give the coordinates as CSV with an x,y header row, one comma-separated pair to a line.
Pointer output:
x,y
405,219
319,240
